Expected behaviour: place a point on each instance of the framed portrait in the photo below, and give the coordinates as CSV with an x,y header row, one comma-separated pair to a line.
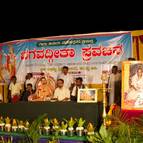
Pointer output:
x,y
132,85
88,95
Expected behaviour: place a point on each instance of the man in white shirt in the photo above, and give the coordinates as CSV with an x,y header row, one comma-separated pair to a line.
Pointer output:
x,y
61,93
78,85
114,85
68,79
30,80
14,89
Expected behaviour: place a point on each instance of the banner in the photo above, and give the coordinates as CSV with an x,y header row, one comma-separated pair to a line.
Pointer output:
x,y
86,55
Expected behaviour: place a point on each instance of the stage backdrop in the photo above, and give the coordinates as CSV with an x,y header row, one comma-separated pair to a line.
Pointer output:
x,y
86,55
138,44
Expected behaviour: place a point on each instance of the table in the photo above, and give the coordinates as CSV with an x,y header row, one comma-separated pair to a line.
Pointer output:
x,y
91,112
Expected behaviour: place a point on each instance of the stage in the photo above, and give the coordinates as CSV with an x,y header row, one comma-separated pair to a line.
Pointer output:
x,y
91,112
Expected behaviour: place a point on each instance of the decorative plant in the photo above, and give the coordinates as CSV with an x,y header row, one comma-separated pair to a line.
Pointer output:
x,y
2,123
46,122
71,122
64,125
33,132
80,122
63,128
26,125
103,136
55,123
90,129
7,124
14,125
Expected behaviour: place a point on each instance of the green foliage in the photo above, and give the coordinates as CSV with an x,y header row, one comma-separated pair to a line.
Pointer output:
x,y
80,122
64,125
119,131
33,132
71,122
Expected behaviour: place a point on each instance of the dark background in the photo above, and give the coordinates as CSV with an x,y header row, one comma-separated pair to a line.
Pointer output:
x,y
48,23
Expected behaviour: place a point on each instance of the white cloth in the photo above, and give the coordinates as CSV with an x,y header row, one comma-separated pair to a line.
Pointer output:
x,y
31,81
62,93
68,79
74,92
112,79
15,88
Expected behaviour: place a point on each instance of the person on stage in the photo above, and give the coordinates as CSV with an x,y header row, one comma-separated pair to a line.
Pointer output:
x,y
74,89
27,92
61,93
114,86
14,90
30,79
44,89
68,79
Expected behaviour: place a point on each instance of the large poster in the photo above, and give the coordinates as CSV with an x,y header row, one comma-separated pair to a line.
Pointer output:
x,y
132,85
86,55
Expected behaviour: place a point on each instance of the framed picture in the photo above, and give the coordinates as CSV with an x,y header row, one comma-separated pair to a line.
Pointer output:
x,y
87,95
132,85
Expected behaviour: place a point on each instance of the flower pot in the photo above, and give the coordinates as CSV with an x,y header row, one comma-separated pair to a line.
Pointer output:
x,y
8,127
14,128
70,133
2,127
63,132
20,128
90,133
55,133
26,129
79,133
46,130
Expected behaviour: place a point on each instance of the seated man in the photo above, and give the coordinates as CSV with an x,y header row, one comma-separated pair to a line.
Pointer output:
x,y
61,93
78,85
44,91
26,93
14,90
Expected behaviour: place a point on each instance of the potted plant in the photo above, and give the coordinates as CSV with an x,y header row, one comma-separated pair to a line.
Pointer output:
x,y
46,126
26,127
55,126
80,127
71,124
90,129
63,128
14,125
2,124
20,126
7,125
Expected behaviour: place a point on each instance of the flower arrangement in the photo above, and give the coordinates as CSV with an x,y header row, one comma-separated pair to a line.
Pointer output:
x,y
56,126
14,125
71,122
63,128
26,126
21,126
2,124
80,126
7,124
90,129
46,126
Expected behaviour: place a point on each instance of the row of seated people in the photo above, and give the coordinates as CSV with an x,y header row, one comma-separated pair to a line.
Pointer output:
x,y
45,89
